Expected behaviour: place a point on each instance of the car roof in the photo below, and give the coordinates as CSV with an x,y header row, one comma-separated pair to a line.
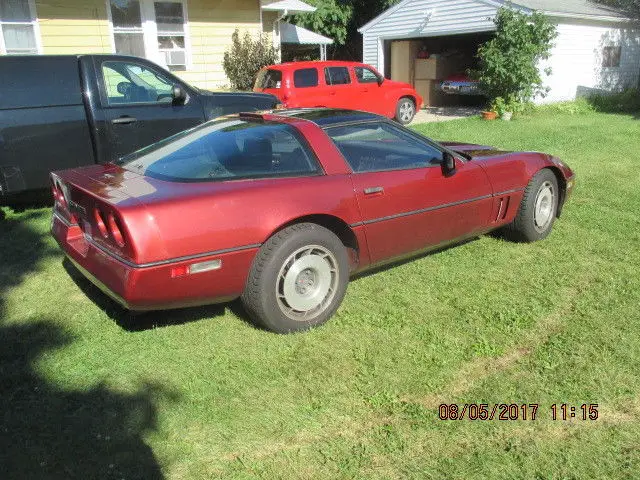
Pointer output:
x,y
326,117
315,63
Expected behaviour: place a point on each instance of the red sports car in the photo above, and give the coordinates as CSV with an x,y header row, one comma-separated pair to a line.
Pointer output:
x,y
280,208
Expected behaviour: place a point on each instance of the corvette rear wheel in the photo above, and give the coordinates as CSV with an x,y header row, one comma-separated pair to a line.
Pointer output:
x,y
298,279
405,110
538,209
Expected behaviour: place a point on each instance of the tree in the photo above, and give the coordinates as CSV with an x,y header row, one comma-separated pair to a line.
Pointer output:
x,y
340,20
246,57
630,8
509,62
330,19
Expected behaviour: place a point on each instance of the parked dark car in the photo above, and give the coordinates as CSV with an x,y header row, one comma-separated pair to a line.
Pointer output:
x,y
59,112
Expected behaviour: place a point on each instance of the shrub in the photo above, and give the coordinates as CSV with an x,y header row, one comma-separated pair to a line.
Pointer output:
x,y
508,66
623,102
246,57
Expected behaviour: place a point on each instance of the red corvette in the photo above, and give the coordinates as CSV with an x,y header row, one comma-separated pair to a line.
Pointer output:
x,y
280,208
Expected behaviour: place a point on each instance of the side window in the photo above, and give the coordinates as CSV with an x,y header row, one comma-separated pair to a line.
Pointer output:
x,y
305,77
336,75
365,75
127,83
375,147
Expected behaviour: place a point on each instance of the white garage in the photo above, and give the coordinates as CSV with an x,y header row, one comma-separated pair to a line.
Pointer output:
x,y
596,48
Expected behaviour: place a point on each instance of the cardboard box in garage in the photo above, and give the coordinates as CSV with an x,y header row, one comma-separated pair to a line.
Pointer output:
x,y
437,68
430,92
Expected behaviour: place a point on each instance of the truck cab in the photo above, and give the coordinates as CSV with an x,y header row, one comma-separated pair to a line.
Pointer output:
x,y
66,111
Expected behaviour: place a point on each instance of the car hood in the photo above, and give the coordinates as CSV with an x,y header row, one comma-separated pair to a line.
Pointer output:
x,y
217,104
475,151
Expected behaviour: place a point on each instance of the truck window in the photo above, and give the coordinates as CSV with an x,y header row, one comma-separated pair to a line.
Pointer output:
x,y
305,77
337,75
365,75
134,83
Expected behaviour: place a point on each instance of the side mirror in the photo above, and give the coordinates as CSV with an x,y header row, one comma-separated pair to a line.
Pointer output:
x,y
448,164
380,81
178,95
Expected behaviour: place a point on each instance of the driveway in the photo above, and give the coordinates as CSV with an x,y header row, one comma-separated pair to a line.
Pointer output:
x,y
441,114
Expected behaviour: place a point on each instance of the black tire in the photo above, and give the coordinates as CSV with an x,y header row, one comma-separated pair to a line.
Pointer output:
x,y
268,296
527,227
405,111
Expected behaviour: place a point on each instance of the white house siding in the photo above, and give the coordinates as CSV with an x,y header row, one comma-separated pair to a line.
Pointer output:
x,y
576,60
425,18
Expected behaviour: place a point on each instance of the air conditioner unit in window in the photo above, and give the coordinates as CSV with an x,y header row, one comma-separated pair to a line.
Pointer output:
x,y
175,58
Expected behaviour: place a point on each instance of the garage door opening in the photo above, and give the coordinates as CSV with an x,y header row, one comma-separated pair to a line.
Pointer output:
x,y
427,62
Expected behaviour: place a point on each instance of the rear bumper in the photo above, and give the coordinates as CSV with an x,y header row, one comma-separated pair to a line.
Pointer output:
x,y
152,287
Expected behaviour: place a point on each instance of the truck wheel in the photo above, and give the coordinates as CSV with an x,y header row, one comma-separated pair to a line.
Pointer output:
x,y
298,279
405,110
538,209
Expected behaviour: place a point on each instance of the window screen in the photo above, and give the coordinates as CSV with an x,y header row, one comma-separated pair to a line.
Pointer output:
x,y
128,35
171,34
611,56
337,75
373,147
305,77
17,27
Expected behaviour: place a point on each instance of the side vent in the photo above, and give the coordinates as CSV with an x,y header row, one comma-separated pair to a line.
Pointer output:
x,y
503,209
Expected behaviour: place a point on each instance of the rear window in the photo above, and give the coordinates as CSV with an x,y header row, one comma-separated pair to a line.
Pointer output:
x,y
226,149
39,81
269,79
305,77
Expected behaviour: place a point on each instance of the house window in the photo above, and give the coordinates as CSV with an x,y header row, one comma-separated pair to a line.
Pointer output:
x,y
611,56
171,35
154,30
18,27
128,35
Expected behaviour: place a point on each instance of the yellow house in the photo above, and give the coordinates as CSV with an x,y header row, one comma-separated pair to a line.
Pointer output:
x,y
189,37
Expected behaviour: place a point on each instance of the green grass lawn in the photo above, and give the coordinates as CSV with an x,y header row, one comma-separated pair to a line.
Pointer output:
x,y
206,395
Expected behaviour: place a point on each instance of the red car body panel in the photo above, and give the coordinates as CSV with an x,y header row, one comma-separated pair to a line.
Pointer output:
x,y
167,226
369,97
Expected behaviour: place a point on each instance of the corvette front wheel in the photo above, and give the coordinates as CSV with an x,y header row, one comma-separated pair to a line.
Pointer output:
x,y
298,279
538,209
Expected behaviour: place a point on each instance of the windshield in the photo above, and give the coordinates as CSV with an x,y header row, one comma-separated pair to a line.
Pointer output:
x,y
226,149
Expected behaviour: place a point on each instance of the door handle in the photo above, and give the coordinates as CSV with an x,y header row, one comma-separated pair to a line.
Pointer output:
x,y
372,190
125,119
332,93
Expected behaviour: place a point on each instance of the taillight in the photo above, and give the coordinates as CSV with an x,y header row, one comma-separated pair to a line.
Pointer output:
x,y
115,230
100,223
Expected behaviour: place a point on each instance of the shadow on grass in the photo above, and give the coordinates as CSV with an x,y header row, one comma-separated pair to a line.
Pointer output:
x,y
51,432
46,430
136,322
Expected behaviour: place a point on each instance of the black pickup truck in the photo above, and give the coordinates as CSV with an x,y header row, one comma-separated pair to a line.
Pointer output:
x,y
61,112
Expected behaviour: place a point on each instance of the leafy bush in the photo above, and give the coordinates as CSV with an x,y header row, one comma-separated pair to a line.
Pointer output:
x,y
623,102
246,57
509,62
580,106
